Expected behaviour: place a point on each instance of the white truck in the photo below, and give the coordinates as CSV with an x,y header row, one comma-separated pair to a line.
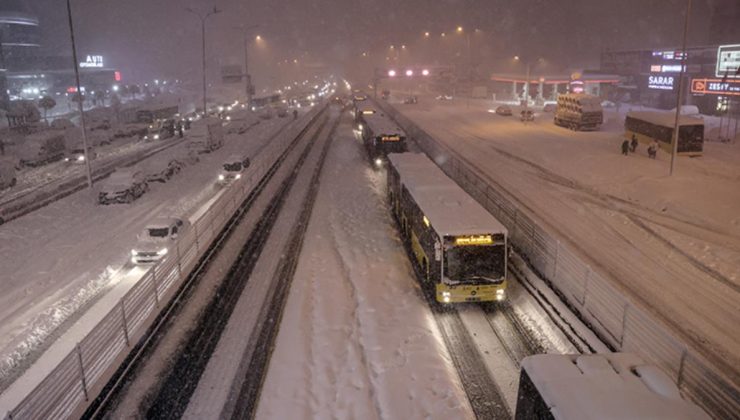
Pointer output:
x,y
579,111
42,147
123,186
7,174
154,243
206,135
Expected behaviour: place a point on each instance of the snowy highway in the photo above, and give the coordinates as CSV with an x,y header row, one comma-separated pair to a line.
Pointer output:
x,y
87,250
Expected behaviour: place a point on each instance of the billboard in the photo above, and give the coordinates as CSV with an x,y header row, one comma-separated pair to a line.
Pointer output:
x,y
660,82
232,74
715,87
728,61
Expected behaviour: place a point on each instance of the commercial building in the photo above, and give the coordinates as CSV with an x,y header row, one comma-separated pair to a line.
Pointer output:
x,y
651,77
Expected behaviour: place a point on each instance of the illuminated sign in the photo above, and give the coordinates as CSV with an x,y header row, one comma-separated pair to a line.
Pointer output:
x,y
669,68
715,87
474,240
669,55
368,112
391,138
92,61
661,82
728,61
655,68
117,76
577,86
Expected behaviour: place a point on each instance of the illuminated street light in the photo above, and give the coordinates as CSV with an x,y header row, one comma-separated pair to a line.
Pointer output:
x,y
443,34
391,73
459,28
409,72
516,57
403,47
258,38
425,72
426,34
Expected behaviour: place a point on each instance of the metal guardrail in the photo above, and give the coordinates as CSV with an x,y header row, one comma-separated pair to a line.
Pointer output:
x,y
618,320
83,373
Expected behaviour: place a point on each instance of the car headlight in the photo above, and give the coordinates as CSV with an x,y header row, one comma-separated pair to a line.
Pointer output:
x,y
156,137
162,251
66,159
238,176
221,177
378,162
80,158
146,137
133,252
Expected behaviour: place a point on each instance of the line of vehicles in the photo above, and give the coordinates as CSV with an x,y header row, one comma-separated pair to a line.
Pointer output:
x,y
458,249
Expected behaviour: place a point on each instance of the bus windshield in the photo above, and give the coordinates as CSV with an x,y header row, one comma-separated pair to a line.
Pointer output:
x,y
478,264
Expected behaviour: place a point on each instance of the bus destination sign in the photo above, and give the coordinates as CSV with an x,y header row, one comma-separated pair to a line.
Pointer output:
x,y
474,240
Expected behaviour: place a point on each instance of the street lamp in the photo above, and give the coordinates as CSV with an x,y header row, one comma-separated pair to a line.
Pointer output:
x,y
203,34
248,82
679,96
79,96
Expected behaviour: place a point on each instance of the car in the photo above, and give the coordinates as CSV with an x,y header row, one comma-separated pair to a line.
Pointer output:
x,y
526,115
77,155
232,169
410,100
503,110
549,108
123,186
444,98
161,171
158,237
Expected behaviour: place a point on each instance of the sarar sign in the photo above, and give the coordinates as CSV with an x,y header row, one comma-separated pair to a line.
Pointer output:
x,y
660,82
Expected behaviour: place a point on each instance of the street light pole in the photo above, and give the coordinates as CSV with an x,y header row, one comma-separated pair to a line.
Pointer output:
x,y
679,97
79,96
247,76
203,36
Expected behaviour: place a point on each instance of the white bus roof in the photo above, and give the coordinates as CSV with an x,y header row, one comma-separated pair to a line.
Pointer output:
x,y
380,124
450,210
665,119
606,386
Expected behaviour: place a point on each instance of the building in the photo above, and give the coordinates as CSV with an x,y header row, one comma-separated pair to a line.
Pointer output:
x,y
546,87
651,77
26,74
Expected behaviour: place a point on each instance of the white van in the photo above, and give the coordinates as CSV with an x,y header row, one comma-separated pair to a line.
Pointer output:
x,y
206,135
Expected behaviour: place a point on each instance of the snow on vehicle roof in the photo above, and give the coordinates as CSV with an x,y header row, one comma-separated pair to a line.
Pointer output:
x,y
161,222
450,210
379,125
665,119
606,386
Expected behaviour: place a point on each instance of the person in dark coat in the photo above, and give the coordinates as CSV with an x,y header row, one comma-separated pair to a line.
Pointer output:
x,y
295,114
179,129
625,147
633,143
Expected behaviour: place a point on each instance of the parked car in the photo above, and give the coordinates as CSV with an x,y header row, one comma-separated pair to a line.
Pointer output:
x,y
503,110
232,169
410,100
444,98
77,155
526,115
7,174
161,170
123,186
154,243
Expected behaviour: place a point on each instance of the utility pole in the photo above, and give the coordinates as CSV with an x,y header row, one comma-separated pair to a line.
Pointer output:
x,y
679,96
79,97
247,76
203,36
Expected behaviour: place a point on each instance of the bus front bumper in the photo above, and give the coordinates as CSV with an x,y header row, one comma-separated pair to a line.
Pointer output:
x,y
465,293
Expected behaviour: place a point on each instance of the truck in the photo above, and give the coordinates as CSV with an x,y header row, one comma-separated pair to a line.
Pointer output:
x,y
206,135
42,147
7,174
579,111
152,113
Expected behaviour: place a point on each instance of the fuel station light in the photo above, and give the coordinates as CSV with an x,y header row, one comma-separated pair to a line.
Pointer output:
x,y
425,72
409,72
391,73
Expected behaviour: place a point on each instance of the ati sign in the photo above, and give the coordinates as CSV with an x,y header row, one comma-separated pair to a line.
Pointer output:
x,y
661,82
92,61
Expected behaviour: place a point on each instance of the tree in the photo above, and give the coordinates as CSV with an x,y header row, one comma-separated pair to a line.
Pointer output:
x,y
46,103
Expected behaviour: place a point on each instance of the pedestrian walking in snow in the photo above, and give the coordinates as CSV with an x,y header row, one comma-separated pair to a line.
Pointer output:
x,y
651,151
625,147
295,114
633,144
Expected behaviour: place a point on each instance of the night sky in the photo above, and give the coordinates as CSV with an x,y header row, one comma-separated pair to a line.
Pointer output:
x,y
157,38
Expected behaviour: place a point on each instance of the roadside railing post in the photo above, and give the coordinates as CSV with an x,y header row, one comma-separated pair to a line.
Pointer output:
x,y
154,285
179,261
82,371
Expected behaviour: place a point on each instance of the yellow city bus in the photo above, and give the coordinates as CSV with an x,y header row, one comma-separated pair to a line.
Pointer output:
x,y
459,249
650,126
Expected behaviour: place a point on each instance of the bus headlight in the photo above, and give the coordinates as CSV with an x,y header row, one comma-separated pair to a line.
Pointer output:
x,y
133,252
446,297
500,294
378,162
221,177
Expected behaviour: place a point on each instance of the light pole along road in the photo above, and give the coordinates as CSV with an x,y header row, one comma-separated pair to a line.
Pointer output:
x,y
203,34
247,76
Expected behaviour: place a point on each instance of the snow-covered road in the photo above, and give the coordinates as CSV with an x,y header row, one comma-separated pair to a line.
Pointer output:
x,y
672,243
357,339
60,258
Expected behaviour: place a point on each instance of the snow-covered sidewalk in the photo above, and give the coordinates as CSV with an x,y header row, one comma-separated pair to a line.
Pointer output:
x,y
357,339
